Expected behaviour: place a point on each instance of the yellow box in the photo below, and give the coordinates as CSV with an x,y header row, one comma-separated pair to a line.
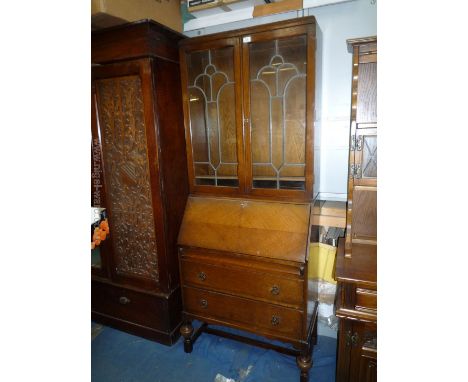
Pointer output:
x,y
322,262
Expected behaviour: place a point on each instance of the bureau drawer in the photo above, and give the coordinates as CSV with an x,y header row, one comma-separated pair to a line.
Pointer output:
x,y
366,299
128,305
254,316
242,282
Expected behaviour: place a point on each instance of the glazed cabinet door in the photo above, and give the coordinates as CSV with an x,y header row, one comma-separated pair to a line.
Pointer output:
x,y
362,182
278,76
364,187
126,135
213,118
365,157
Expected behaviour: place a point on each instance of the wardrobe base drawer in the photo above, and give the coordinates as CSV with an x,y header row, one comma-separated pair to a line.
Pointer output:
x,y
157,312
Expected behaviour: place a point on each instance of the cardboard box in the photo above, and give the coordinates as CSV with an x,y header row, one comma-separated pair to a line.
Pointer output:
x,y
166,12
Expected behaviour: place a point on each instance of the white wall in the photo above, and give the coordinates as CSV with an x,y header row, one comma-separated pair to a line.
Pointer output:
x,y
337,23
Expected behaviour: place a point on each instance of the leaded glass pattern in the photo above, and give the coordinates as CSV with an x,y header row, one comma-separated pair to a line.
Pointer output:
x,y
211,89
369,156
278,112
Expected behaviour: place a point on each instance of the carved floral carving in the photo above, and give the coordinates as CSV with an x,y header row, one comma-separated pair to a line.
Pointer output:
x,y
127,176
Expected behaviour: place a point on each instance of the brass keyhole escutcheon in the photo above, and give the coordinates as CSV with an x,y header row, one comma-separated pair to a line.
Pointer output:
x,y
275,320
203,303
202,276
275,290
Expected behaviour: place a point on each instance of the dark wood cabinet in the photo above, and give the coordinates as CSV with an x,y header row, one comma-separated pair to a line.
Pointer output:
x,y
356,264
140,177
248,100
357,360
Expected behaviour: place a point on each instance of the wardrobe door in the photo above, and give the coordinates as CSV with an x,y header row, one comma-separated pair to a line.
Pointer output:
x,y
124,106
278,70
211,94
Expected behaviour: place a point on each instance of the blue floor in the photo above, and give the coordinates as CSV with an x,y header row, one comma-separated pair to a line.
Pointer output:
x,y
120,357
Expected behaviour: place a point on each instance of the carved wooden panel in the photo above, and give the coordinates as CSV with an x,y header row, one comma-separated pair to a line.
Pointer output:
x,y
367,93
122,125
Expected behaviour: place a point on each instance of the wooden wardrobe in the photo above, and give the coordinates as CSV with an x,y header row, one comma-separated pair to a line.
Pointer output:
x,y
139,176
248,99
356,266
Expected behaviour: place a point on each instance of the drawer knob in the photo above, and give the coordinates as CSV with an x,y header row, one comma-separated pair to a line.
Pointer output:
x,y
275,290
202,276
203,303
124,300
275,320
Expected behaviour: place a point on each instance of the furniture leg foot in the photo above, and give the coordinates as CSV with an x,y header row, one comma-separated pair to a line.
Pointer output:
x,y
304,362
186,331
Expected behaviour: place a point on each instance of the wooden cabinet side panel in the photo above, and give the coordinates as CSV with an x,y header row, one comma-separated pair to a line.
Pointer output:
x,y
172,159
363,364
365,213
343,352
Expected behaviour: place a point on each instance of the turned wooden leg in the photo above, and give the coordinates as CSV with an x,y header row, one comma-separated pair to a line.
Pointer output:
x,y
304,362
186,331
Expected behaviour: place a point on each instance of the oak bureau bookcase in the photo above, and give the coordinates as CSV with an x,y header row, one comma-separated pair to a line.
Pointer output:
x,y
248,100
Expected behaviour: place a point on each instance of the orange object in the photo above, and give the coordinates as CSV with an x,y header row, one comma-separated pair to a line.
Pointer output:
x,y
97,241
102,235
104,225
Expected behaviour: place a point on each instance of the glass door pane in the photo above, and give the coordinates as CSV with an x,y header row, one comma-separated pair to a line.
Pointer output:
x,y
369,156
366,157
278,112
211,91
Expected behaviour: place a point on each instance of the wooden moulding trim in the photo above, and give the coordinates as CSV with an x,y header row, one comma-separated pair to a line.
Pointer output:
x,y
155,293
244,327
361,40
281,266
365,283
351,314
151,23
168,338
250,30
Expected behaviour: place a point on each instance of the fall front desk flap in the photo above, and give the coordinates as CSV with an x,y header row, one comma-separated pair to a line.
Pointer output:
x,y
268,229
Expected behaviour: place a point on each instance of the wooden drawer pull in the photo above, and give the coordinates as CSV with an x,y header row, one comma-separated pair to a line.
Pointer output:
x,y
202,276
275,290
203,303
124,300
275,320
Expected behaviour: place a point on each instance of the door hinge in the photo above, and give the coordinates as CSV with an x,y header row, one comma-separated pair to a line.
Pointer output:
x,y
359,143
355,171
351,339
356,143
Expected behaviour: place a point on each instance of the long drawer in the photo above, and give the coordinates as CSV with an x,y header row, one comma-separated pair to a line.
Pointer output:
x,y
249,314
129,305
246,282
